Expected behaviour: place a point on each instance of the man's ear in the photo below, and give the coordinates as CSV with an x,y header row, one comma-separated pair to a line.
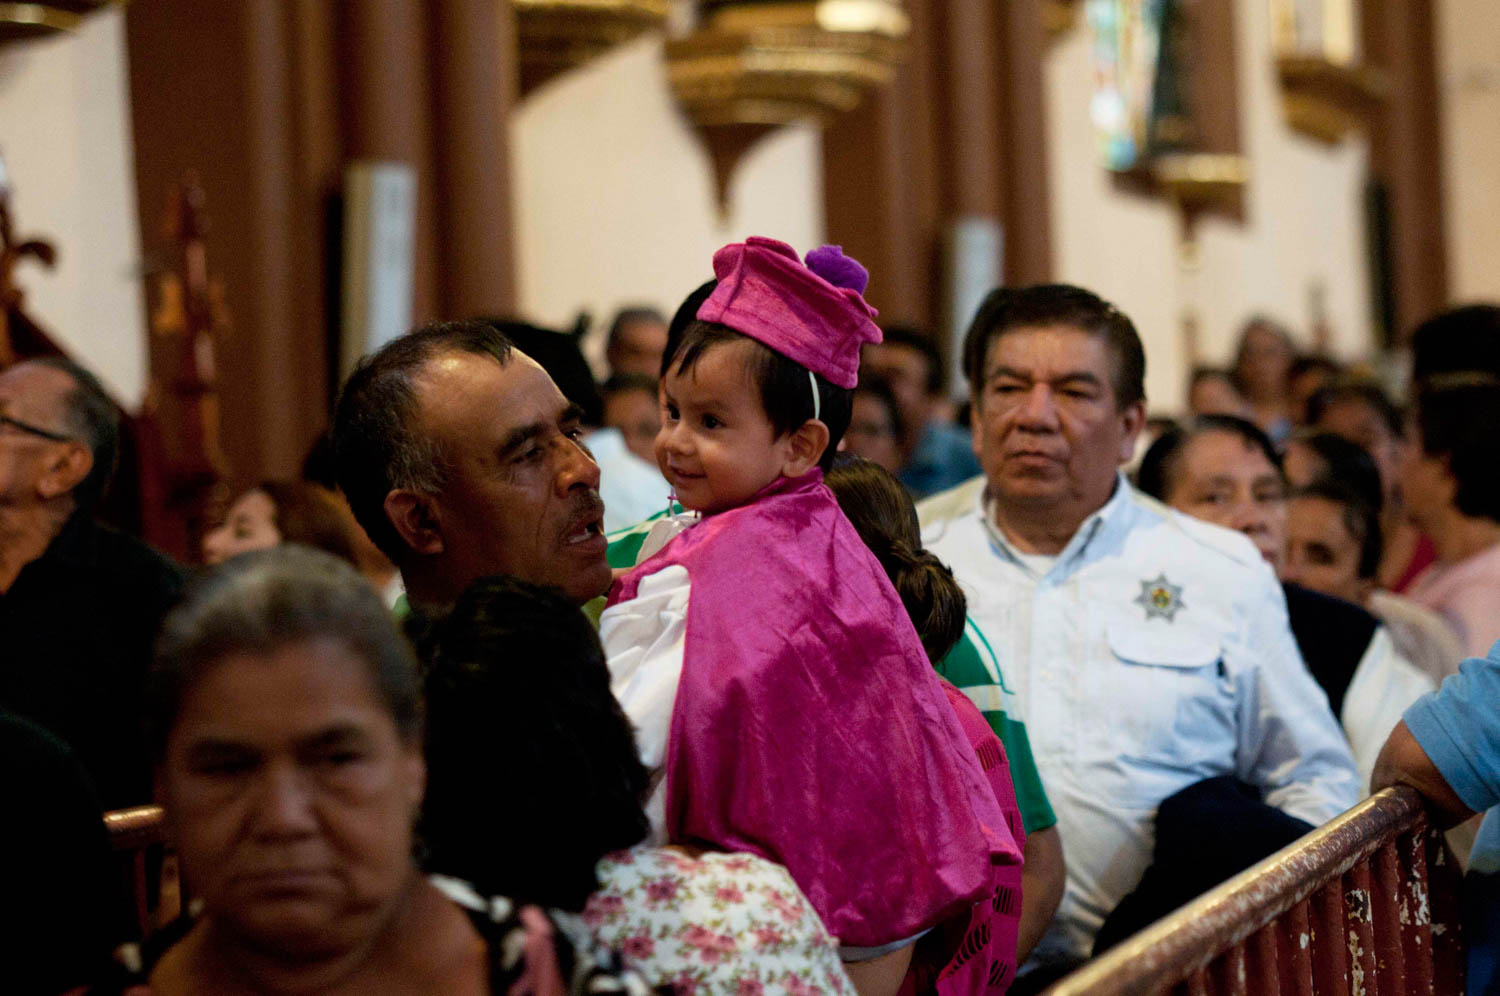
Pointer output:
x,y
414,517
66,471
805,446
1133,419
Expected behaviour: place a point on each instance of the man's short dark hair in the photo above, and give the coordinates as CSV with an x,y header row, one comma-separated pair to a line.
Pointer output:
x,y
376,446
1362,521
915,339
782,383
1159,467
91,416
1357,389
1456,418
1009,308
1462,340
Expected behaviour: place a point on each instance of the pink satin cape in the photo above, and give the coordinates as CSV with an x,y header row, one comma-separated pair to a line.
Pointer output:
x,y
809,727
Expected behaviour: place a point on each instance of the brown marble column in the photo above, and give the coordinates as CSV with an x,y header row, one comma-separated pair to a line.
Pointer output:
x,y
1405,155
474,76
267,100
880,185
1026,205
959,133
213,89
386,103
967,69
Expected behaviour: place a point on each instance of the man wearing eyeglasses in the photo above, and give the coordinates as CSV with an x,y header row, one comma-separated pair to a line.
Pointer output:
x,y
79,602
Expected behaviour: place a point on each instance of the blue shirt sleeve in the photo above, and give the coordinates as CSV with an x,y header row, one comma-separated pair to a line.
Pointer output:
x,y
1458,726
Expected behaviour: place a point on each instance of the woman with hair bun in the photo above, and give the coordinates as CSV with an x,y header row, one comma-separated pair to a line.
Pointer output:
x,y
882,513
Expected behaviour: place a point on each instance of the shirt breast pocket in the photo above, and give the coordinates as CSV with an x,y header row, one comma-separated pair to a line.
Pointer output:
x,y
1174,699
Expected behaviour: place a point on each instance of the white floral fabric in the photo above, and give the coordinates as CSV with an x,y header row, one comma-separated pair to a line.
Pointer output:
x,y
714,923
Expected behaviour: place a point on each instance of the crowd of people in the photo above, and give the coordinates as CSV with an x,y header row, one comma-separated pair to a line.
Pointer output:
x,y
754,665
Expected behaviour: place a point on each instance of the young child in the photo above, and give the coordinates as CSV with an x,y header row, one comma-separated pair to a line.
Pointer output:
x,y
780,694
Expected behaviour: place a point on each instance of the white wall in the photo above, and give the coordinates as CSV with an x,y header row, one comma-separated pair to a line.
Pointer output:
x,y
65,136
1304,223
1468,41
614,191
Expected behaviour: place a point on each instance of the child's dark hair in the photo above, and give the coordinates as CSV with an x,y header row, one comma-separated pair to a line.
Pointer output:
x,y
882,513
784,392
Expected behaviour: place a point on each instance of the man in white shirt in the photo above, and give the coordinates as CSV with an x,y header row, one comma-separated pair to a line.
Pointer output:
x,y
1151,651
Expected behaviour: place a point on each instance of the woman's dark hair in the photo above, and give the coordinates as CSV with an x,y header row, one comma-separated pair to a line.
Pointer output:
x,y
782,382
1456,416
532,772
262,601
1158,470
310,515
1348,463
1362,521
882,513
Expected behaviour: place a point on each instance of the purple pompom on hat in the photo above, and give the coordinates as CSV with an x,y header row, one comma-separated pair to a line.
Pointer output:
x,y
813,314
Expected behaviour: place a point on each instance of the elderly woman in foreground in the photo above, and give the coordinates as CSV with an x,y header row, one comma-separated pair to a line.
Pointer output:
x,y
287,726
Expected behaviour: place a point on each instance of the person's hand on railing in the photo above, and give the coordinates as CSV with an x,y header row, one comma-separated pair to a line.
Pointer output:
x,y
1402,761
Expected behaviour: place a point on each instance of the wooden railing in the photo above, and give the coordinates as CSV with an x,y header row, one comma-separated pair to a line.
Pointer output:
x,y
149,870
1367,904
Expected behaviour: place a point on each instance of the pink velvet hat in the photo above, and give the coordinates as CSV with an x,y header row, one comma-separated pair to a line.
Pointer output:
x,y
813,314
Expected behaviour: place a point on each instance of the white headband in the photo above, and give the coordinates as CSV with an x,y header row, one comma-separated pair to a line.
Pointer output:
x,y
817,402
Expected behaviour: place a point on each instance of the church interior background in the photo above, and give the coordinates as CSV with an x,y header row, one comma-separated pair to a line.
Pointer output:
x,y
287,180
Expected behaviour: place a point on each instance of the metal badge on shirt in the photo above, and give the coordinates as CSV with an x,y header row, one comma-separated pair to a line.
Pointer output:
x,y
1160,598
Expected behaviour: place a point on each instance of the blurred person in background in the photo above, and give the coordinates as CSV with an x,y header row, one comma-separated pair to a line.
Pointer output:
x,y
876,426
1311,456
1359,410
1211,391
276,512
632,409
1262,364
1309,374
1451,481
635,342
1333,546
936,454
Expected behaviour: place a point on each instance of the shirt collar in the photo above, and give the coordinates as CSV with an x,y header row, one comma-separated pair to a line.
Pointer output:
x,y
1074,551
